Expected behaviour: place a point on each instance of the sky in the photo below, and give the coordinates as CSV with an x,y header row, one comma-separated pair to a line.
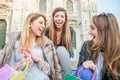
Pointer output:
x,y
109,6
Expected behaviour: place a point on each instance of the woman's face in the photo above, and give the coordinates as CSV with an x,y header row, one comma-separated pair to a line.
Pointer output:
x,y
93,32
59,19
38,26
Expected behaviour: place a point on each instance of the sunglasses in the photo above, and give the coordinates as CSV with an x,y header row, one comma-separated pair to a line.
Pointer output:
x,y
102,14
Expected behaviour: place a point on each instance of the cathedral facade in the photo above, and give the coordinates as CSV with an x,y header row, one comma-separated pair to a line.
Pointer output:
x,y
80,12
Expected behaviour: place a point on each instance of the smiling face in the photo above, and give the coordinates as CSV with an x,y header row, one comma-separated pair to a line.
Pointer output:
x,y
93,32
59,19
37,26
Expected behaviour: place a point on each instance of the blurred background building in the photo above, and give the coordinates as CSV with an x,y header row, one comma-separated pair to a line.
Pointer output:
x,y
14,12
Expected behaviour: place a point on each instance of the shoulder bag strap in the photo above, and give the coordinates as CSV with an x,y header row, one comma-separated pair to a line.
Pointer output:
x,y
94,75
79,71
26,68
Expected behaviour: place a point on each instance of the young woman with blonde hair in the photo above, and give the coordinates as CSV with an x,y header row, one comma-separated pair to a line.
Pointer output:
x,y
32,46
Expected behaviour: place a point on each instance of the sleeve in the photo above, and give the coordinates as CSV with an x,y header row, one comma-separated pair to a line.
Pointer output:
x,y
57,66
6,52
12,58
71,53
47,71
83,54
1,57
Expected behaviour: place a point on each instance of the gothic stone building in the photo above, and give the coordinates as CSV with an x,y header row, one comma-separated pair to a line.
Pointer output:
x,y
14,12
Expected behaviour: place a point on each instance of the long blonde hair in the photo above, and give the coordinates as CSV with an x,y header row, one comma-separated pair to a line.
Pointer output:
x,y
25,34
108,42
66,36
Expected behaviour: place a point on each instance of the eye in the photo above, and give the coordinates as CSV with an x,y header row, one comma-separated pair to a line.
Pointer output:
x,y
92,27
56,16
41,22
62,16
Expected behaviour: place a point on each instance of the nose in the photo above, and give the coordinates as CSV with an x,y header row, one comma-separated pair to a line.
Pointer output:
x,y
59,18
89,32
42,27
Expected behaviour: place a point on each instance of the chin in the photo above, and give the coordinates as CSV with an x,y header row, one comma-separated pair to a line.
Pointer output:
x,y
58,26
39,35
94,41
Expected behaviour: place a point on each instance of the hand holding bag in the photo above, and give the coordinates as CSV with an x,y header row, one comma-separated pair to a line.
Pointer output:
x,y
85,74
20,75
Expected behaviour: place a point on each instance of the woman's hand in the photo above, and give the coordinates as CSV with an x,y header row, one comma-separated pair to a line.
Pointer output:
x,y
18,66
33,56
27,57
28,53
38,59
89,65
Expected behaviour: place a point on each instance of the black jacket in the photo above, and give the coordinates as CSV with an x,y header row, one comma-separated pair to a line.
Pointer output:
x,y
72,34
84,55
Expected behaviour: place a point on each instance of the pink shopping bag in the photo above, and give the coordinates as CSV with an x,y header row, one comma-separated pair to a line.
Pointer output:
x,y
5,72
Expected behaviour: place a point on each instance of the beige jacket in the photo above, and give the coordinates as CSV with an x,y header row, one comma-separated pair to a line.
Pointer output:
x,y
48,50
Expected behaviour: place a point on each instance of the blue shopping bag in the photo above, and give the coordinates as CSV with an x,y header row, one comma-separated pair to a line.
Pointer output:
x,y
85,74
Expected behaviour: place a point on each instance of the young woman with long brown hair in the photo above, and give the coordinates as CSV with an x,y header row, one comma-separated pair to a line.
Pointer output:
x,y
60,33
102,53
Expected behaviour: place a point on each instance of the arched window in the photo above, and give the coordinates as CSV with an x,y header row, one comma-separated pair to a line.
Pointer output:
x,y
69,5
42,6
2,33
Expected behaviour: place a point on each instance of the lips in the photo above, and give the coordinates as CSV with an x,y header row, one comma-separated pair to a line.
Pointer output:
x,y
93,37
40,30
58,24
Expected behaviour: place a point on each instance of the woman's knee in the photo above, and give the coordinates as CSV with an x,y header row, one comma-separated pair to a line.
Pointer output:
x,y
61,50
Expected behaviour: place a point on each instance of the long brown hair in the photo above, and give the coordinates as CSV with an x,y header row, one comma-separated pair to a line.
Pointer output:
x,y
108,42
66,36
25,34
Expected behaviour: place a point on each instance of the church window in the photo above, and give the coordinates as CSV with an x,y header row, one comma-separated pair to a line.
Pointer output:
x,y
69,4
2,33
42,5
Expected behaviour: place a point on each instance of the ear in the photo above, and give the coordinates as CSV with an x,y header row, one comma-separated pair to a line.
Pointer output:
x,y
30,25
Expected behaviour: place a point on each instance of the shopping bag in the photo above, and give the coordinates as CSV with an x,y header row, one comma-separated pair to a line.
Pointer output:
x,y
20,75
85,74
70,77
5,72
